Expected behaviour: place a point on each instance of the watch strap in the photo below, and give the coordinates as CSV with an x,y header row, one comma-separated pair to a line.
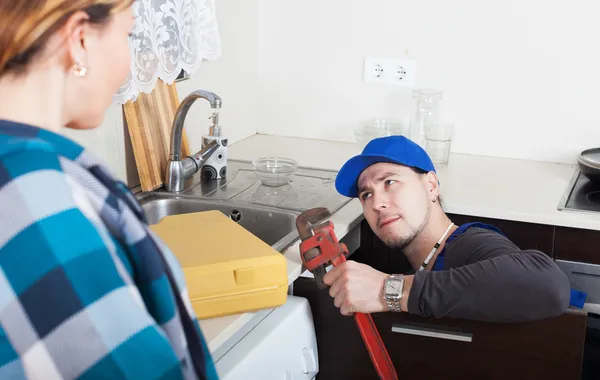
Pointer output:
x,y
393,303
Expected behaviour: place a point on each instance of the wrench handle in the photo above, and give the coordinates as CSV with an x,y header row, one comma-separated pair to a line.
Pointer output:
x,y
370,336
375,347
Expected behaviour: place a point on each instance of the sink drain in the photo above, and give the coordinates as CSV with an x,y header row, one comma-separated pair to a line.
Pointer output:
x,y
235,215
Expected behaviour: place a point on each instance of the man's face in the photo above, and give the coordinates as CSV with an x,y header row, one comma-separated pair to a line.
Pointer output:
x,y
396,201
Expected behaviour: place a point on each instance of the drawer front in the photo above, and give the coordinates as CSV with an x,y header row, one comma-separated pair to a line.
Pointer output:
x,y
451,349
574,244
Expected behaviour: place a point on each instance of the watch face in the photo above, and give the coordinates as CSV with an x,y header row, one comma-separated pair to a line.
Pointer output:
x,y
393,287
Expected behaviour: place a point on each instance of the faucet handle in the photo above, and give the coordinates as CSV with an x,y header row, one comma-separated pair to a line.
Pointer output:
x,y
215,128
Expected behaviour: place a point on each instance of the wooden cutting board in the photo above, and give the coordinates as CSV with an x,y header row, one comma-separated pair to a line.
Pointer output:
x,y
149,121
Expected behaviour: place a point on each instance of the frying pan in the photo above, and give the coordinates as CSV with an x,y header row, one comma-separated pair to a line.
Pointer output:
x,y
589,164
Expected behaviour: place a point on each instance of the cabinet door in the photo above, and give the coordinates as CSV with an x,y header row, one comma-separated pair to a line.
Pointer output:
x,y
341,352
524,235
459,349
574,244
424,348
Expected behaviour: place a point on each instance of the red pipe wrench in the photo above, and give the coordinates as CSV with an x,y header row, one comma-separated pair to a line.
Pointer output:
x,y
318,248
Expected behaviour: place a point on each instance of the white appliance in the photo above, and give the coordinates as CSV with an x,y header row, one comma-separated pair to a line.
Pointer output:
x,y
282,346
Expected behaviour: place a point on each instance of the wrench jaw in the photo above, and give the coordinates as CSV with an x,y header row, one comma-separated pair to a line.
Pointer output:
x,y
306,223
319,273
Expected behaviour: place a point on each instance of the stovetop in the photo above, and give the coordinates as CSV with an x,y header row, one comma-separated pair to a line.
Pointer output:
x,y
581,195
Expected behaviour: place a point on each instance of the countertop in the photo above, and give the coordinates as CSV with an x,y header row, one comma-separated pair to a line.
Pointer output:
x,y
493,187
518,190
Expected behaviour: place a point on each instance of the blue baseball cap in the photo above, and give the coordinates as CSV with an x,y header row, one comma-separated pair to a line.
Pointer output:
x,y
394,149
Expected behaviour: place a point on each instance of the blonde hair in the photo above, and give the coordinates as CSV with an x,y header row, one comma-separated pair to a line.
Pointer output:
x,y
26,25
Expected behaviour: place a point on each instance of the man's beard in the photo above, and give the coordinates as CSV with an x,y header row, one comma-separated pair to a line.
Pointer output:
x,y
400,242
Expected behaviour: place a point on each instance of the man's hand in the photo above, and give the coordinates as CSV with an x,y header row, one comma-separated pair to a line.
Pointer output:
x,y
356,288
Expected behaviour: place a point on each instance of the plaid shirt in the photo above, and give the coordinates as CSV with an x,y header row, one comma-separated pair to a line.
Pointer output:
x,y
86,290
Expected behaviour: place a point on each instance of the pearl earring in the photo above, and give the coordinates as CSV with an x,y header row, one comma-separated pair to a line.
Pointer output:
x,y
79,69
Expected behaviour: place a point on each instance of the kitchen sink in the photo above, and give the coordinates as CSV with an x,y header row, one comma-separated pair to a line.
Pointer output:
x,y
274,226
267,212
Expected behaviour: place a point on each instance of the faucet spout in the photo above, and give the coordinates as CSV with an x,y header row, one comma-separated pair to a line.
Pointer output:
x,y
178,169
177,131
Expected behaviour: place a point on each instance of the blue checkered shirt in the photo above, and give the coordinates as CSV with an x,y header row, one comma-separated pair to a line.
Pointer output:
x,y
86,290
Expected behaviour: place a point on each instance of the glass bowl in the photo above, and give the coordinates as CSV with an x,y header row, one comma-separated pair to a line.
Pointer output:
x,y
275,171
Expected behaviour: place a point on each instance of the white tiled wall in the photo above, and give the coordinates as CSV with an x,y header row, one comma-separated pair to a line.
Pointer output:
x,y
521,78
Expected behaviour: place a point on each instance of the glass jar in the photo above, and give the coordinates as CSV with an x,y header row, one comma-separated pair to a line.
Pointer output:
x,y
425,110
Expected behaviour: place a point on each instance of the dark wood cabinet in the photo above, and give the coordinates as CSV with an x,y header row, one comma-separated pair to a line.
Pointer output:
x,y
548,349
577,245
564,243
524,235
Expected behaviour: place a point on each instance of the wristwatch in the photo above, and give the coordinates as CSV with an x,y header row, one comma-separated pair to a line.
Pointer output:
x,y
392,291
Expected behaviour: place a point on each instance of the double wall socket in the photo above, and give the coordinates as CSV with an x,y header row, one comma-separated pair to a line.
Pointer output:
x,y
394,71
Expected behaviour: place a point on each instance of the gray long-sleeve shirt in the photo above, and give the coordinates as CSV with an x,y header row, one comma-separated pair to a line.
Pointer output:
x,y
488,278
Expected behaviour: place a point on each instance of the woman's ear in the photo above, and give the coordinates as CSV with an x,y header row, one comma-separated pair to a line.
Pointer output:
x,y
75,33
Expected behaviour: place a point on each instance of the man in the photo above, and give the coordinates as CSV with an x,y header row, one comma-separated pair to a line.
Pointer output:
x,y
471,271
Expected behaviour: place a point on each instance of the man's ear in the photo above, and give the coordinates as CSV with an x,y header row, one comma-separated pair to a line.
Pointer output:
x,y
433,186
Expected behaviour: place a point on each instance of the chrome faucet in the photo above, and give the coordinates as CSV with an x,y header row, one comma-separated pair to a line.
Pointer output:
x,y
179,170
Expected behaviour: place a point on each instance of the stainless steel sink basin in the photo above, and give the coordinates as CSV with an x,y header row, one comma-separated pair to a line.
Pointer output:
x,y
275,227
267,212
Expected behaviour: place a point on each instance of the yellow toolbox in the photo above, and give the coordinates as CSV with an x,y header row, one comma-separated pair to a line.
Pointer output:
x,y
227,269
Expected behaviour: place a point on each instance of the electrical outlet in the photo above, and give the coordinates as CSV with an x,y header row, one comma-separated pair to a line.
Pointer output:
x,y
396,71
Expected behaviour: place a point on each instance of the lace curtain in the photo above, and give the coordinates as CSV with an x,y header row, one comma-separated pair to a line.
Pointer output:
x,y
169,36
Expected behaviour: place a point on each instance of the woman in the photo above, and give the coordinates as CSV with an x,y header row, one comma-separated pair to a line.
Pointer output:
x,y
86,291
